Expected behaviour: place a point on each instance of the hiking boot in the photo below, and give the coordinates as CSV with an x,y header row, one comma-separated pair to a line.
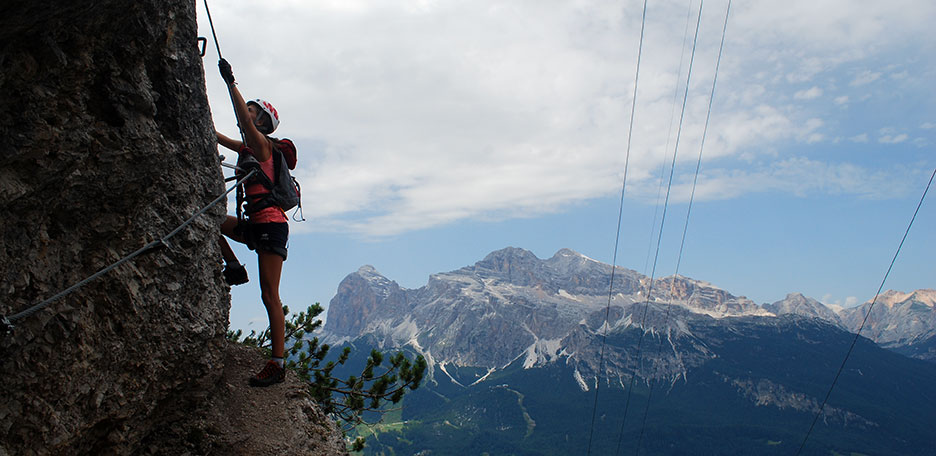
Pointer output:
x,y
271,373
235,274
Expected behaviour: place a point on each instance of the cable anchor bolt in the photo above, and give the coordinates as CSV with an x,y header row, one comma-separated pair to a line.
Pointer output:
x,y
6,326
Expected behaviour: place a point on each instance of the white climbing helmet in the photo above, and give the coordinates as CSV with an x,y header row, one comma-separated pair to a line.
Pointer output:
x,y
269,109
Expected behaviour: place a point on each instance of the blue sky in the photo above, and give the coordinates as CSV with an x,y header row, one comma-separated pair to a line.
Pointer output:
x,y
431,133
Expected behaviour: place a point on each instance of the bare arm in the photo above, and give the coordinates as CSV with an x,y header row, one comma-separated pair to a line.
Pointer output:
x,y
230,143
256,141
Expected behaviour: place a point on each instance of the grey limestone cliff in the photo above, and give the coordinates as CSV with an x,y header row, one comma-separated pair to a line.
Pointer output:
x,y
107,144
512,307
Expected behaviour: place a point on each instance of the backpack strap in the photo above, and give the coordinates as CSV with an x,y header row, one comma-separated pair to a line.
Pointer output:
x,y
256,203
283,154
246,162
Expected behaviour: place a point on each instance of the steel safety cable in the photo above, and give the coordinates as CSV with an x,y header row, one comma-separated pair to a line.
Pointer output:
x,y
6,323
230,88
617,236
662,223
865,320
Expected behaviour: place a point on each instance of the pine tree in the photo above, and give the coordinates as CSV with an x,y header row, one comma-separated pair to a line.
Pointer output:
x,y
382,378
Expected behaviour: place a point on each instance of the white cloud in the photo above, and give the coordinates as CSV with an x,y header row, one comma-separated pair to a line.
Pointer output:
x,y
928,125
808,94
893,139
809,134
864,78
802,177
862,138
413,115
830,300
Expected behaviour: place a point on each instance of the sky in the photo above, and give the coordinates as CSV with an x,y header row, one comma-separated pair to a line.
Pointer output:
x,y
431,133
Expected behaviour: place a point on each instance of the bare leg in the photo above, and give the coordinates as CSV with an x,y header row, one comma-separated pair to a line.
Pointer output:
x,y
227,228
271,266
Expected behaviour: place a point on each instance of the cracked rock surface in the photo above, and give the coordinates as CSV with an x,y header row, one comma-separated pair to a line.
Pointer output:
x,y
107,144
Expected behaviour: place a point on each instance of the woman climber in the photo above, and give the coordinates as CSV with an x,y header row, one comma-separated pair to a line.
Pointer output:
x,y
266,230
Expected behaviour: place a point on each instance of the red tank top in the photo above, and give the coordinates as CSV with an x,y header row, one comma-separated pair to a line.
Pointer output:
x,y
272,214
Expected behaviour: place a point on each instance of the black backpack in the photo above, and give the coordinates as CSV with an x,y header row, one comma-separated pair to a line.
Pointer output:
x,y
284,189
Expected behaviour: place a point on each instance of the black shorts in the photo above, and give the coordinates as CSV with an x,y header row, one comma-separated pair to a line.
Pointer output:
x,y
269,237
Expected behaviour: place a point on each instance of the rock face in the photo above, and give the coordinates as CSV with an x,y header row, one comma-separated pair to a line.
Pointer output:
x,y
107,145
520,348
903,322
281,420
514,307
797,304
897,318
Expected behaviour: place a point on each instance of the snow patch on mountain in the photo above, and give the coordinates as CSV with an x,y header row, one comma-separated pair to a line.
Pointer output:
x,y
515,309
484,377
581,381
565,294
447,374
407,332
542,352
723,312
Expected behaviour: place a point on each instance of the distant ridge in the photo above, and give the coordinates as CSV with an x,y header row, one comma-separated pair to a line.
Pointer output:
x,y
517,345
579,285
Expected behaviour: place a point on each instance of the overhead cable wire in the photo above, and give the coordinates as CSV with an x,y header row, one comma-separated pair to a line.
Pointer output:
x,y
865,320
660,235
617,236
669,128
695,180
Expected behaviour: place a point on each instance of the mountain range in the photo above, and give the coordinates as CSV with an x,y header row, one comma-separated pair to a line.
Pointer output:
x,y
516,343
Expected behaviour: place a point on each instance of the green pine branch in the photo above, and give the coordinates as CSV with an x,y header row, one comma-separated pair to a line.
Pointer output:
x,y
346,400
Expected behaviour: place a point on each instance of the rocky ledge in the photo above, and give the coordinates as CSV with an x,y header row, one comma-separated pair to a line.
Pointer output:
x,y
236,419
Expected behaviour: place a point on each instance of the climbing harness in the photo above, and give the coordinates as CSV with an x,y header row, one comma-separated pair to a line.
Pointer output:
x,y
6,323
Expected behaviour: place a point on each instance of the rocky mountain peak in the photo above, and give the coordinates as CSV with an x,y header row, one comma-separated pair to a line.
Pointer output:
x,y
799,304
568,253
362,297
508,255
897,319
568,260
374,278
367,270
507,259
924,297
511,264
514,306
